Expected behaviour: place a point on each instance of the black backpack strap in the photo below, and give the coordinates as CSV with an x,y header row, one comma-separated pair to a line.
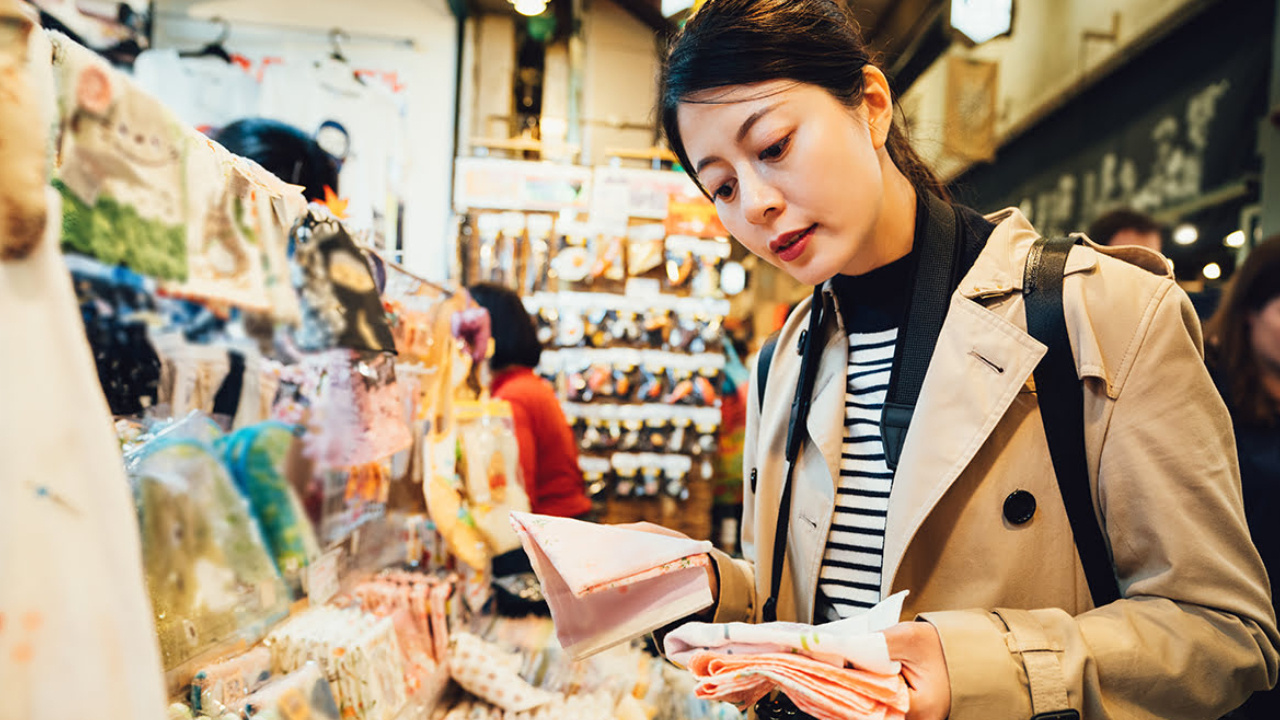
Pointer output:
x,y
811,350
934,278
763,362
1061,398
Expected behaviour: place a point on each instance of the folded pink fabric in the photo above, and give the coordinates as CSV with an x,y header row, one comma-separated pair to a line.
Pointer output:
x,y
821,690
607,584
856,641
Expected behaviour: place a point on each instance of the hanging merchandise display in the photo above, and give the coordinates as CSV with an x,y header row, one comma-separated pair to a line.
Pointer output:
x,y
301,483
623,278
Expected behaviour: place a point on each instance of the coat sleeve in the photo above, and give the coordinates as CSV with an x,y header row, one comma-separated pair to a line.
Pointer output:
x,y
1195,632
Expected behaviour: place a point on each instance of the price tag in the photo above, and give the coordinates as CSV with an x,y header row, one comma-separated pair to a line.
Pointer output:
x,y
322,577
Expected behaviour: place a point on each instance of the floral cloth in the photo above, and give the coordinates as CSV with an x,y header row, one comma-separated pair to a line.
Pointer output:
x,y
856,641
834,671
824,691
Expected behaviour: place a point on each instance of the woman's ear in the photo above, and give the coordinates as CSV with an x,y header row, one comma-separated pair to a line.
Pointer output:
x,y
877,103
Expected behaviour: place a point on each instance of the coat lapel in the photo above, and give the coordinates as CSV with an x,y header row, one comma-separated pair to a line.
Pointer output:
x,y
980,363
826,413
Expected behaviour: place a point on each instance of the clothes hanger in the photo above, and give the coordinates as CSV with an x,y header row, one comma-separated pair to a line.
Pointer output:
x,y
336,36
217,48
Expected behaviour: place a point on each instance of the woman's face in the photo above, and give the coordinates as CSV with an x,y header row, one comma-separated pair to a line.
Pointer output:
x,y
797,176
1264,335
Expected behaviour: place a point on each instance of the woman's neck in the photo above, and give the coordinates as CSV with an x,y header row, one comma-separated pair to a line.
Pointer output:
x,y
894,233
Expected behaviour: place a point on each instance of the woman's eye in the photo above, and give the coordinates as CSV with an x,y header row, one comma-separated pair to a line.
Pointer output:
x,y
724,192
775,149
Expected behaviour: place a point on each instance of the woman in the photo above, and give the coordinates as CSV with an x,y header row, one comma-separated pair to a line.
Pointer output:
x,y
776,112
1244,337
548,453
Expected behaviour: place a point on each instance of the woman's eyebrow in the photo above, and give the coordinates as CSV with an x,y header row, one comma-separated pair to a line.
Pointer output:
x,y
742,133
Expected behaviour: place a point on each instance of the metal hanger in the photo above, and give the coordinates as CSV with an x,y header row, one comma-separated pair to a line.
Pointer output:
x,y
217,48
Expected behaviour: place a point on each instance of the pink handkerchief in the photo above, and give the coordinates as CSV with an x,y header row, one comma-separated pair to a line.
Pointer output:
x,y
606,584
856,641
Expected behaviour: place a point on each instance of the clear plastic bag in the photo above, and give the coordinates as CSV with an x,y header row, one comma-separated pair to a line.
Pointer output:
x,y
208,571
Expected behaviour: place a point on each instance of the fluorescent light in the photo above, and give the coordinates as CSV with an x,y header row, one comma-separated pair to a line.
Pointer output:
x,y
1235,239
1212,271
530,7
1186,234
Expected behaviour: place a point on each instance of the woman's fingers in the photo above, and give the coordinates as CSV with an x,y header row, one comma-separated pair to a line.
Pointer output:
x,y
917,646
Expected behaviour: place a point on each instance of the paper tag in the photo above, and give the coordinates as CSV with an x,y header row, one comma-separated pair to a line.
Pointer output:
x,y
322,577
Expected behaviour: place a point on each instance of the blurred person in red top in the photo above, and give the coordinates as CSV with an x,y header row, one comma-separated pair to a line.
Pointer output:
x,y
548,453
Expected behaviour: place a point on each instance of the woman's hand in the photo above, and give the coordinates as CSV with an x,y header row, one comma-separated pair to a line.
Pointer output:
x,y
917,646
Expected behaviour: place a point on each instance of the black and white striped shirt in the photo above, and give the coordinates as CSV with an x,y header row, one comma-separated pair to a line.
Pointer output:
x,y
871,307
850,576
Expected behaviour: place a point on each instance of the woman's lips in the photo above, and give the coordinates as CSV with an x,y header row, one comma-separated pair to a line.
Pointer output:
x,y
790,246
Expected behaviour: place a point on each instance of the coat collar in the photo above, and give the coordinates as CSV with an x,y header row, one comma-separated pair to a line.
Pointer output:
x,y
980,363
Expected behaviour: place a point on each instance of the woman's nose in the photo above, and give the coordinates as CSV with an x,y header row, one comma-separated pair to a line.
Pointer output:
x,y
761,201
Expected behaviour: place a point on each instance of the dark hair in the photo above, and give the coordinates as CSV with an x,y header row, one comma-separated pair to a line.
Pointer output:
x,y
1252,288
285,151
1107,225
515,339
734,42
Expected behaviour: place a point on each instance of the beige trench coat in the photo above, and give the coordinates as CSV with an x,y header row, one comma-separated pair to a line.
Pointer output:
x,y
1195,632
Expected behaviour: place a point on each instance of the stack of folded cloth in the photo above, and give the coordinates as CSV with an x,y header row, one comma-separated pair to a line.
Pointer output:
x,y
836,671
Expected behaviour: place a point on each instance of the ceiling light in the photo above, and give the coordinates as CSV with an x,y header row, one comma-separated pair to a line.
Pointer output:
x,y
530,7
1186,234
1212,271
1235,239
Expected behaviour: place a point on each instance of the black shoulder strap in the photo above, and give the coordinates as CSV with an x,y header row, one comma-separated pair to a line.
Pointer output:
x,y
1061,399
811,351
763,362
934,279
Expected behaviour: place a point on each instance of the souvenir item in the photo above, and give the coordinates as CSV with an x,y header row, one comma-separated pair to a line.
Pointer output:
x,y
539,253
680,261
606,585
358,653
122,172
303,693
356,417
489,465
573,263
492,675
258,458
454,521
644,248
208,570
228,683
341,307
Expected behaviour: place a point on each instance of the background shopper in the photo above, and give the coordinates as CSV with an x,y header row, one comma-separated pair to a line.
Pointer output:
x,y
1244,340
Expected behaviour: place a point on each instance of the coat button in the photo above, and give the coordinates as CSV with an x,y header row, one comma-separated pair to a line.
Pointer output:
x,y
1019,507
